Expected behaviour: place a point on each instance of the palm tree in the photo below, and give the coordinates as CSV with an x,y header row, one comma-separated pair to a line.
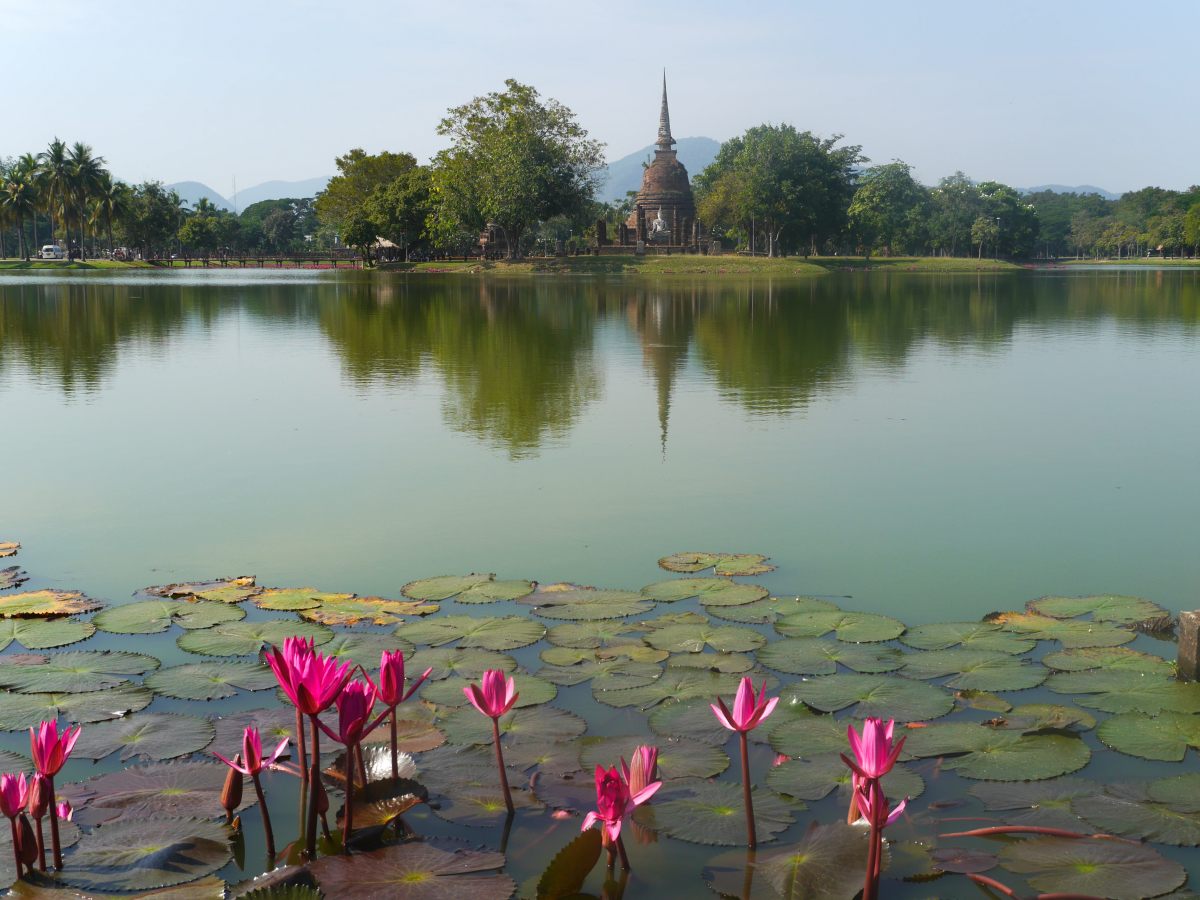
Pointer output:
x,y
56,173
27,164
111,202
85,172
20,201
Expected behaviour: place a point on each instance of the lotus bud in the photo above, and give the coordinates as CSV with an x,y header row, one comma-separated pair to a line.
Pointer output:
x,y
231,793
26,841
64,810
39,797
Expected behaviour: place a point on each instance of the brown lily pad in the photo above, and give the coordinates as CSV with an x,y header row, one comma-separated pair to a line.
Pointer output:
x,y
9,548
47,603
12,577
415,871
342,609
220,590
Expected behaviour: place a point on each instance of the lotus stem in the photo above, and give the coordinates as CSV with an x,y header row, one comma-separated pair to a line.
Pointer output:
x,y
314,775
992,883
266,818
505,832
395,746
300,753
875,844
348,819
508,804
41,845
747,799
1033,829
612,856
852,813
362,765
748,875
54,841
624,857
16,848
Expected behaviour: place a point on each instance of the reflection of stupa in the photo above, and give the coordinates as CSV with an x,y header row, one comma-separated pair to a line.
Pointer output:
x,y
664,328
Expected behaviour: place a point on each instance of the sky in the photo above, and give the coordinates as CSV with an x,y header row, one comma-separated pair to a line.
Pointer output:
x,y
1027,93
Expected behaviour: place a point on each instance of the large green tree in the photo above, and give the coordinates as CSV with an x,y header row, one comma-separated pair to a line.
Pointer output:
x,y
513,160
360,175
401,208
890,209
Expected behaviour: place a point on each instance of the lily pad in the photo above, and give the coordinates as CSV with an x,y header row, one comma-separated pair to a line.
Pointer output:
x,y
1128,810
247,638
711,813
1103,608
675,684
1108,658
809,737
273,725
585,603
736,663
710,591
876,695
1180,791
153,616
1166,736
633,651
363,648
692,720
483,805
565,875
771,609
220,590
826,864
497,633
1068,632
1045,804
469,663
676,758
495,591
382,800
156,736
1049,716
538,725
294,599
8,548
992,754
815,779
1123,690
694,638
72,671
444,586
534,691
210,681
604,674
590,635
972,635
814,656
41,634
141,854
415,871
365,611
722,563
157,789
11,577
854,627
977,670
47,603
21,711
1103,868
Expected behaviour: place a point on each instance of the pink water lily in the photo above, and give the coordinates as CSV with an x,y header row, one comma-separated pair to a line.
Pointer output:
x,y
867,800
354,705
64,810
391,693
874,752
14,794
875,755
311,680
643,771
50,750
251,762
748,711
494,695
615,802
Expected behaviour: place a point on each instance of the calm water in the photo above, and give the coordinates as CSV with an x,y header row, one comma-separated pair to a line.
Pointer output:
x,y
928,446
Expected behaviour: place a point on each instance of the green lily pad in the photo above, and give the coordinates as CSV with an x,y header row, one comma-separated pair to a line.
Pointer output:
x,y
672,619
499,633
692,720
248,638
984,700
814,656
153,616
534,691
1165,736
11,577
483,805
495,591
815,779
584,603
363,648
47,603
710,591
853,627
1103,868
736,663
443,587
294,599
1049,716
675,684
273,725
634,651
1103,608
157,789
876,695
1108,658
711,813
825,865
210,681
155,736
676,759
1128,810
971,635
1044,804
1068,632
21,711
1123,690
42,634
348,611
590,635
414,871
565,875
694,638
142,854
469,663
220,590
605,674
977,670
992,754
722,563
770,609
537,725
809,737
72,671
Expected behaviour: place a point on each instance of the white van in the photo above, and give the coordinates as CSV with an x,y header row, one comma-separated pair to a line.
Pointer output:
x,y
52,251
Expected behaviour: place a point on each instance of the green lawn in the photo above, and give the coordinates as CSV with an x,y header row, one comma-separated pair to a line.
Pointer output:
x,y
1134,261
75,264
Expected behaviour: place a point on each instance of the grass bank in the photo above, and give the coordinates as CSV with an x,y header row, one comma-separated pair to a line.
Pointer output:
x,y
73,265
1151,261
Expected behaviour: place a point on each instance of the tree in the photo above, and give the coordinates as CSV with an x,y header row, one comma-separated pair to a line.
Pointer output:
x,y
279,229
1018,220
889,208
401,208
361,175
151,217
358,231
199,233
85,172
19,199
956,205
112,201
56,167
513,160
984,230
1191,228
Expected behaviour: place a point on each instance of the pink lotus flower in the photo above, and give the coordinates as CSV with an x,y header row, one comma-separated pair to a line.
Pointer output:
x,y
311,680
50,751
391,679
64,810
14,794
354,705
780,759
252,754
748,711
496,696
615,803
39,796
874,751
868,798
643,770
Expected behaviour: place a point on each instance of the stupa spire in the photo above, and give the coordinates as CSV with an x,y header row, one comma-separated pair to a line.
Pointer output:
x,y
665,141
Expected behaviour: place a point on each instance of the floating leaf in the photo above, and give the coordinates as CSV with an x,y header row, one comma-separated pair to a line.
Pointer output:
x,y
712,662
140,854
21,711
1103,868
854,627
676,759
694,638
498,633
414,871
771,609
993,754
293,599
469,663
670,620
710,591
8,548
984,700
220,590
724,563
605,674
584,603
972,635
47,603
152,616
712,813
816,779
1103,608
382,800
1181,791
363,648
349,611
533,691
692,720
1127,810
809,737
1070,633
813,656
538,724
1123,690
826,864
377,759
549,759
210,681
155,736
273,726
590,635
11,577
1165,736
444,586
1108,658
73,671
247,638
1047,716
876,695
675,684
41,634
494,591
565,875
978,670
171,788
483,805
1045,804
635,651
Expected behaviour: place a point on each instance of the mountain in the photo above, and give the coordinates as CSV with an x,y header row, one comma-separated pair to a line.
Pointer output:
x,y
191,191
1078,189
625,174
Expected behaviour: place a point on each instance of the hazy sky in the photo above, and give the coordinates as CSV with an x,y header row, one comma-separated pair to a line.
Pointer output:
x,y
1027,93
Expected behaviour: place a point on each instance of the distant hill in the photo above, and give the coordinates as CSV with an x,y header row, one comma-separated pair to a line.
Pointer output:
x,y
1078,189
191,191
625,174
